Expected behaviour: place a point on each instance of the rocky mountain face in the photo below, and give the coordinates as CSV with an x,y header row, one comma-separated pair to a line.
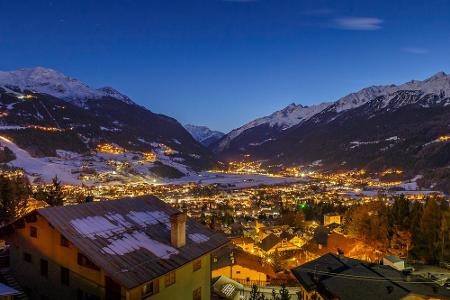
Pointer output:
x,y
203,134
44,111
404,126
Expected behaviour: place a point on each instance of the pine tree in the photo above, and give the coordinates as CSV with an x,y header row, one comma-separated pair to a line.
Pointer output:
x,y
55,196
430,224
255,294
14,194
284,293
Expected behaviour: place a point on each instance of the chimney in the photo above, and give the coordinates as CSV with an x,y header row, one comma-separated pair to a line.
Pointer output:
x,y
178,229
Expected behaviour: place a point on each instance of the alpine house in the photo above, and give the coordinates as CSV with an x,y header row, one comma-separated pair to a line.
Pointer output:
x,y
134,248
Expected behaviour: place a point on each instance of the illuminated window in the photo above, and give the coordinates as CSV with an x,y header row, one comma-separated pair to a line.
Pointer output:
x,y
197,265
197,294
150,288
33,231
170,279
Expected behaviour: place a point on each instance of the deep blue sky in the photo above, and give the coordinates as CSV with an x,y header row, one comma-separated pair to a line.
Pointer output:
x,y
222,63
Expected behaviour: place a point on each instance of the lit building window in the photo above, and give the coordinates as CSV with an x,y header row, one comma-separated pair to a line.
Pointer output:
x,y
197,265
170,279
197,294
150,288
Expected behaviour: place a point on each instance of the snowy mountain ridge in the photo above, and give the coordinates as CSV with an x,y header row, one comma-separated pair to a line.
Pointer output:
x,y
203,134
283,119
50,82
438,84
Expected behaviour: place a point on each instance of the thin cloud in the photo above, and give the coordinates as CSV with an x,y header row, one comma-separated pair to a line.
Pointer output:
x,y
415,50
358,23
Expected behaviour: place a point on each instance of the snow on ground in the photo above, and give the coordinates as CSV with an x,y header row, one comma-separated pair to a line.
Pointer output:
x,y
233,180
38,166
411,185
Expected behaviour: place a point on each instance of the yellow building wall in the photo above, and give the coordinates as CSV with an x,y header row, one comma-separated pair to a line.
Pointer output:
x,y
47,246
331,220
241,273
187,281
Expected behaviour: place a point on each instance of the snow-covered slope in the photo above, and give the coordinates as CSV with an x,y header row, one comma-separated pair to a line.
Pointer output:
x,y
203,134
289,116
437,84
48,81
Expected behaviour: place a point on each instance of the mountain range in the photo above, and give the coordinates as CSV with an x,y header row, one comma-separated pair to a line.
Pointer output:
x,y
57,119
392,126
45,112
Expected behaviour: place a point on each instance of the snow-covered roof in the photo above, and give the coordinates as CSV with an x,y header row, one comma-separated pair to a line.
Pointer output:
x,y
8,291
130,238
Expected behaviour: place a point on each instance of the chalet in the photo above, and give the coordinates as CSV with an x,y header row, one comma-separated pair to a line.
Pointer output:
x,y
337,277
246,243
295,239
272,243
131,248
241,266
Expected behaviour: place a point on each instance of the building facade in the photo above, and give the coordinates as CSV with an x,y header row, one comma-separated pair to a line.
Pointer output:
x,y
123,249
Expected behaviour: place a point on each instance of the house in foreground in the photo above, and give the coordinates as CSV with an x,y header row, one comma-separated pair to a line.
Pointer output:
x,y
135,248
241,266
337,277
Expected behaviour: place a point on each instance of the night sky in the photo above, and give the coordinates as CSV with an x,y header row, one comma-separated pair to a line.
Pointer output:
x,y
223,63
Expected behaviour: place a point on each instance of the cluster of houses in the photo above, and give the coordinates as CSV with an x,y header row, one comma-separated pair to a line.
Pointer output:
x,y
142,248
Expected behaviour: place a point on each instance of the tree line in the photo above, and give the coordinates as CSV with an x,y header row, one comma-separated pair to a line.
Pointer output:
x,y
413,229
16,195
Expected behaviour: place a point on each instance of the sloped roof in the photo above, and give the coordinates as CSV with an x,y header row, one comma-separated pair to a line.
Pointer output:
x,y
339,277
269,242
6,290
286,235
130,238
241,258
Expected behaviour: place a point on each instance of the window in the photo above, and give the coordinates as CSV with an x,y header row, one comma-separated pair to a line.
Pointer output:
x,y
27,257
197,265
64,242
44,268
238,272
86,262
150,288
197,294
170,279
33,231
65,276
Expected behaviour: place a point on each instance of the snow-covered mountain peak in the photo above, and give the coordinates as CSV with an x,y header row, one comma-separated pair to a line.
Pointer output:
x,y
283,119
436,84
48,81
112,92
203,134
